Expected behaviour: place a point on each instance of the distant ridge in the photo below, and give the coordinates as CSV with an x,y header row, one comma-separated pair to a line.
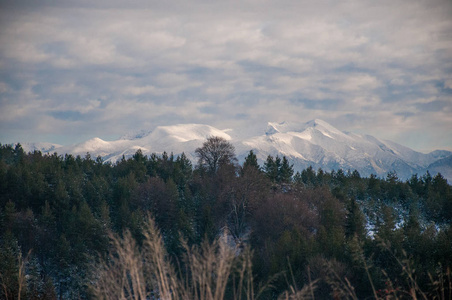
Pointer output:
x,y
315,143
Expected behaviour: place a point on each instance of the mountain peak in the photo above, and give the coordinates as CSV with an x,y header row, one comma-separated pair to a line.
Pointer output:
x,y
284,127
318,122
325,128
272,128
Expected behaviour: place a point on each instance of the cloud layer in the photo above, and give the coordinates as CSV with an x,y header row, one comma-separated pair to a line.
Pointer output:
x,y
78,69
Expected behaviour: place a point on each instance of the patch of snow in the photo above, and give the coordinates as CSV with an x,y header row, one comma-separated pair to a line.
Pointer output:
x,y
43,147
305,135
326,134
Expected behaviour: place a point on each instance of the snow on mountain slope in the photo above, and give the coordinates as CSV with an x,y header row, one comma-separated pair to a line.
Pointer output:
x,y
95,147
176,139
443,166
43,147
181,132
315,143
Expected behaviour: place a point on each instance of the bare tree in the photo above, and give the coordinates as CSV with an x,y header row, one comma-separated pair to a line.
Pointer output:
x,y
215,152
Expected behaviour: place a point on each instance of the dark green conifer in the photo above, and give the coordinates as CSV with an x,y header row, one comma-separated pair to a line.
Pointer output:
x,y
251,161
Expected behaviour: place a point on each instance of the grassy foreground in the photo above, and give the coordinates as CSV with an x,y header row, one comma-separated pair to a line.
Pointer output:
x,y
220,271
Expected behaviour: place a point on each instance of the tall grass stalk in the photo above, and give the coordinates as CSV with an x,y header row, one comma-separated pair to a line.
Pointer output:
x,y
212,271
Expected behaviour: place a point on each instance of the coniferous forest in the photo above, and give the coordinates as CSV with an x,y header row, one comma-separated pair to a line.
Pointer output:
x,y
160,227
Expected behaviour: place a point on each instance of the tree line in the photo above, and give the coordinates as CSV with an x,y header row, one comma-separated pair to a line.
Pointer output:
x,y
352,236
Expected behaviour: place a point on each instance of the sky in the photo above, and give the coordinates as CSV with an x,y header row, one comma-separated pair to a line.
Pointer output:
x,y
74,70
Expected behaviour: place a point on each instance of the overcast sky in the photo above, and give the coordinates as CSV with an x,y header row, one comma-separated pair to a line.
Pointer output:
x,y
75,70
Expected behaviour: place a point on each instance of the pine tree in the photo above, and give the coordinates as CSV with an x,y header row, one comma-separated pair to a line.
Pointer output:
x,y
183,170
270,168
412,231
308,176
354,224
61,266
251,161
285,171
387,224
9,216
320,178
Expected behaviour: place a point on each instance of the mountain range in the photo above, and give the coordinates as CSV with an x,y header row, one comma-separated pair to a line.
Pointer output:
x,y
315,143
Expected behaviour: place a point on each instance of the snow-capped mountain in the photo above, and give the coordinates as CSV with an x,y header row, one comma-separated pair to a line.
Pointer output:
x,y
315,143
177,139
320,145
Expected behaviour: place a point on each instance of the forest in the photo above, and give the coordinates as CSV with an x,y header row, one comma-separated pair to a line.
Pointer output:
x,y
160,227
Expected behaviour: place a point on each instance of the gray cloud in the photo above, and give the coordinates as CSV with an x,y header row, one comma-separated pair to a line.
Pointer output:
x,y
67,115
78,68
435,105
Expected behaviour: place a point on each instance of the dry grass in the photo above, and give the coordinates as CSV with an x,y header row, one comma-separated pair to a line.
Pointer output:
x,y
343,289
8,291
215,271
442,284
212,271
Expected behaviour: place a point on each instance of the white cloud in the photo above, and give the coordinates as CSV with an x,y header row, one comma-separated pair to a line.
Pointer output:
x,y
360,82
353,63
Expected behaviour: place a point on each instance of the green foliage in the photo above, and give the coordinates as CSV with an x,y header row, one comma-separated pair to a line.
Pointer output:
x,y
251,161
355,223
285,172
271,168
277,170
56,214
308,177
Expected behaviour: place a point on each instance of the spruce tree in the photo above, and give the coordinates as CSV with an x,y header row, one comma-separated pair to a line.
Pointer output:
x,y
251,161
285,171
270,168
354,224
